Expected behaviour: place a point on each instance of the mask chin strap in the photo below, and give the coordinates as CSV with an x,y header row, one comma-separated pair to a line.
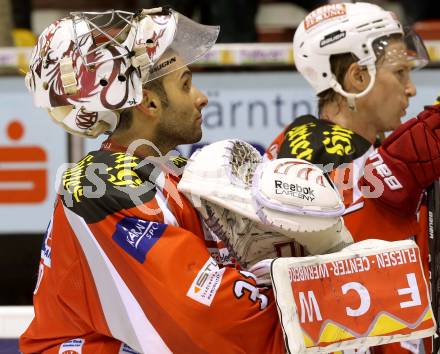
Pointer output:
x,y
68,77
351,97
60,113
141,59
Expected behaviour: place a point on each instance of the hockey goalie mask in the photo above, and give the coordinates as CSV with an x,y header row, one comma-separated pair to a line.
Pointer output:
x,y
253,205
88,66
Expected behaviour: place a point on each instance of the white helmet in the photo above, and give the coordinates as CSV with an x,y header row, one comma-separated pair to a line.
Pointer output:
x,y
348,28
88,66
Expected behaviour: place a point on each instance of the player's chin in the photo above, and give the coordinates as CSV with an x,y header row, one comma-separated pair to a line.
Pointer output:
x,y
403,113
392,124
397,118
197,132
196,136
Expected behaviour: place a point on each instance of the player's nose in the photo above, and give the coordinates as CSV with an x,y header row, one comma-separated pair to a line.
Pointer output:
x,y
201,100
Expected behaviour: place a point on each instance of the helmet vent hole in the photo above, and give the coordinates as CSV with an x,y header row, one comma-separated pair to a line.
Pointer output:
x,y
121,78
363,25
301,45
103,82
324,74
305,56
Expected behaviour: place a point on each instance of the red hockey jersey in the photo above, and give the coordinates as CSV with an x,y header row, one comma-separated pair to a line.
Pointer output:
x,y
343,153
125,268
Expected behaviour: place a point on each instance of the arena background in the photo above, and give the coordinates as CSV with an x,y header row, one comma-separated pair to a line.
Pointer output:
x,y
253,93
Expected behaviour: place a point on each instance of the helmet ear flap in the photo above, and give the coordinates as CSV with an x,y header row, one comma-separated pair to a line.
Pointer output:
x,y
100,128
62,115
59,113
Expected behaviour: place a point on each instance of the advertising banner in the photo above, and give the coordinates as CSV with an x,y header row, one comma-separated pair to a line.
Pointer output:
x,y
363,295
253,106
32,148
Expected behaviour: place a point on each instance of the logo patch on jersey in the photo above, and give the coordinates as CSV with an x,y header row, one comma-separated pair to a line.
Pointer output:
x,y
338,141
46,249
206,283
137,236
298,141
125,349
120,170
73,346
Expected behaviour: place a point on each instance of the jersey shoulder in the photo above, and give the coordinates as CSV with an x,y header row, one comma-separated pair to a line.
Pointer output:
x,y
321,142
105,182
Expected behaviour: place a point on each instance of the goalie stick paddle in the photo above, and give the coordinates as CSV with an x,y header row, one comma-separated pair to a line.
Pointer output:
x,y
433,194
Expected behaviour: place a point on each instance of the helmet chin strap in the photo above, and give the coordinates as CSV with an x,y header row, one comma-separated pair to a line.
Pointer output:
x,y
351,97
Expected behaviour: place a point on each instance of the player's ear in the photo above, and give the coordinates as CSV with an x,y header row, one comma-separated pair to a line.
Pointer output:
x,y
357,78
151,104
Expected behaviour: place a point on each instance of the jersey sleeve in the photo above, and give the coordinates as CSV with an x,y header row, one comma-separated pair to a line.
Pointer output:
x,y
273,150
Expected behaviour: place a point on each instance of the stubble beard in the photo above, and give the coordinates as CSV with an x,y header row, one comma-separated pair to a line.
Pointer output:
x,y
175,134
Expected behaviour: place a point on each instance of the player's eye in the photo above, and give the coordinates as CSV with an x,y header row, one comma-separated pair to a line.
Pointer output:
x,y
402,73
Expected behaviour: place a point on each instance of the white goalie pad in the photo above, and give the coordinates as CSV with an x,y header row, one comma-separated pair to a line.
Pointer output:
x,y
372,292
255,206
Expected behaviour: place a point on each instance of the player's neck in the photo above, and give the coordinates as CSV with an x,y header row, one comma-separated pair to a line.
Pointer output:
x,y
356,121
139,144
143,136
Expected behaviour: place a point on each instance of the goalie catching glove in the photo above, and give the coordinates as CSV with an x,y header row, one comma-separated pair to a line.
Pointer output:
x,y
254,206
406,163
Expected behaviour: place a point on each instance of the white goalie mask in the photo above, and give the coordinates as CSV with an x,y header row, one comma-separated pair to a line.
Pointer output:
x,y
255,206
87,67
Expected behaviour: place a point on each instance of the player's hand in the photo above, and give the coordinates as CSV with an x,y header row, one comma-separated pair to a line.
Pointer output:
x,y
407,162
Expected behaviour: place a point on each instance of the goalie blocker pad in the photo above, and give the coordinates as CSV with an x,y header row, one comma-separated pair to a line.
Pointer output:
x,y
372,292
